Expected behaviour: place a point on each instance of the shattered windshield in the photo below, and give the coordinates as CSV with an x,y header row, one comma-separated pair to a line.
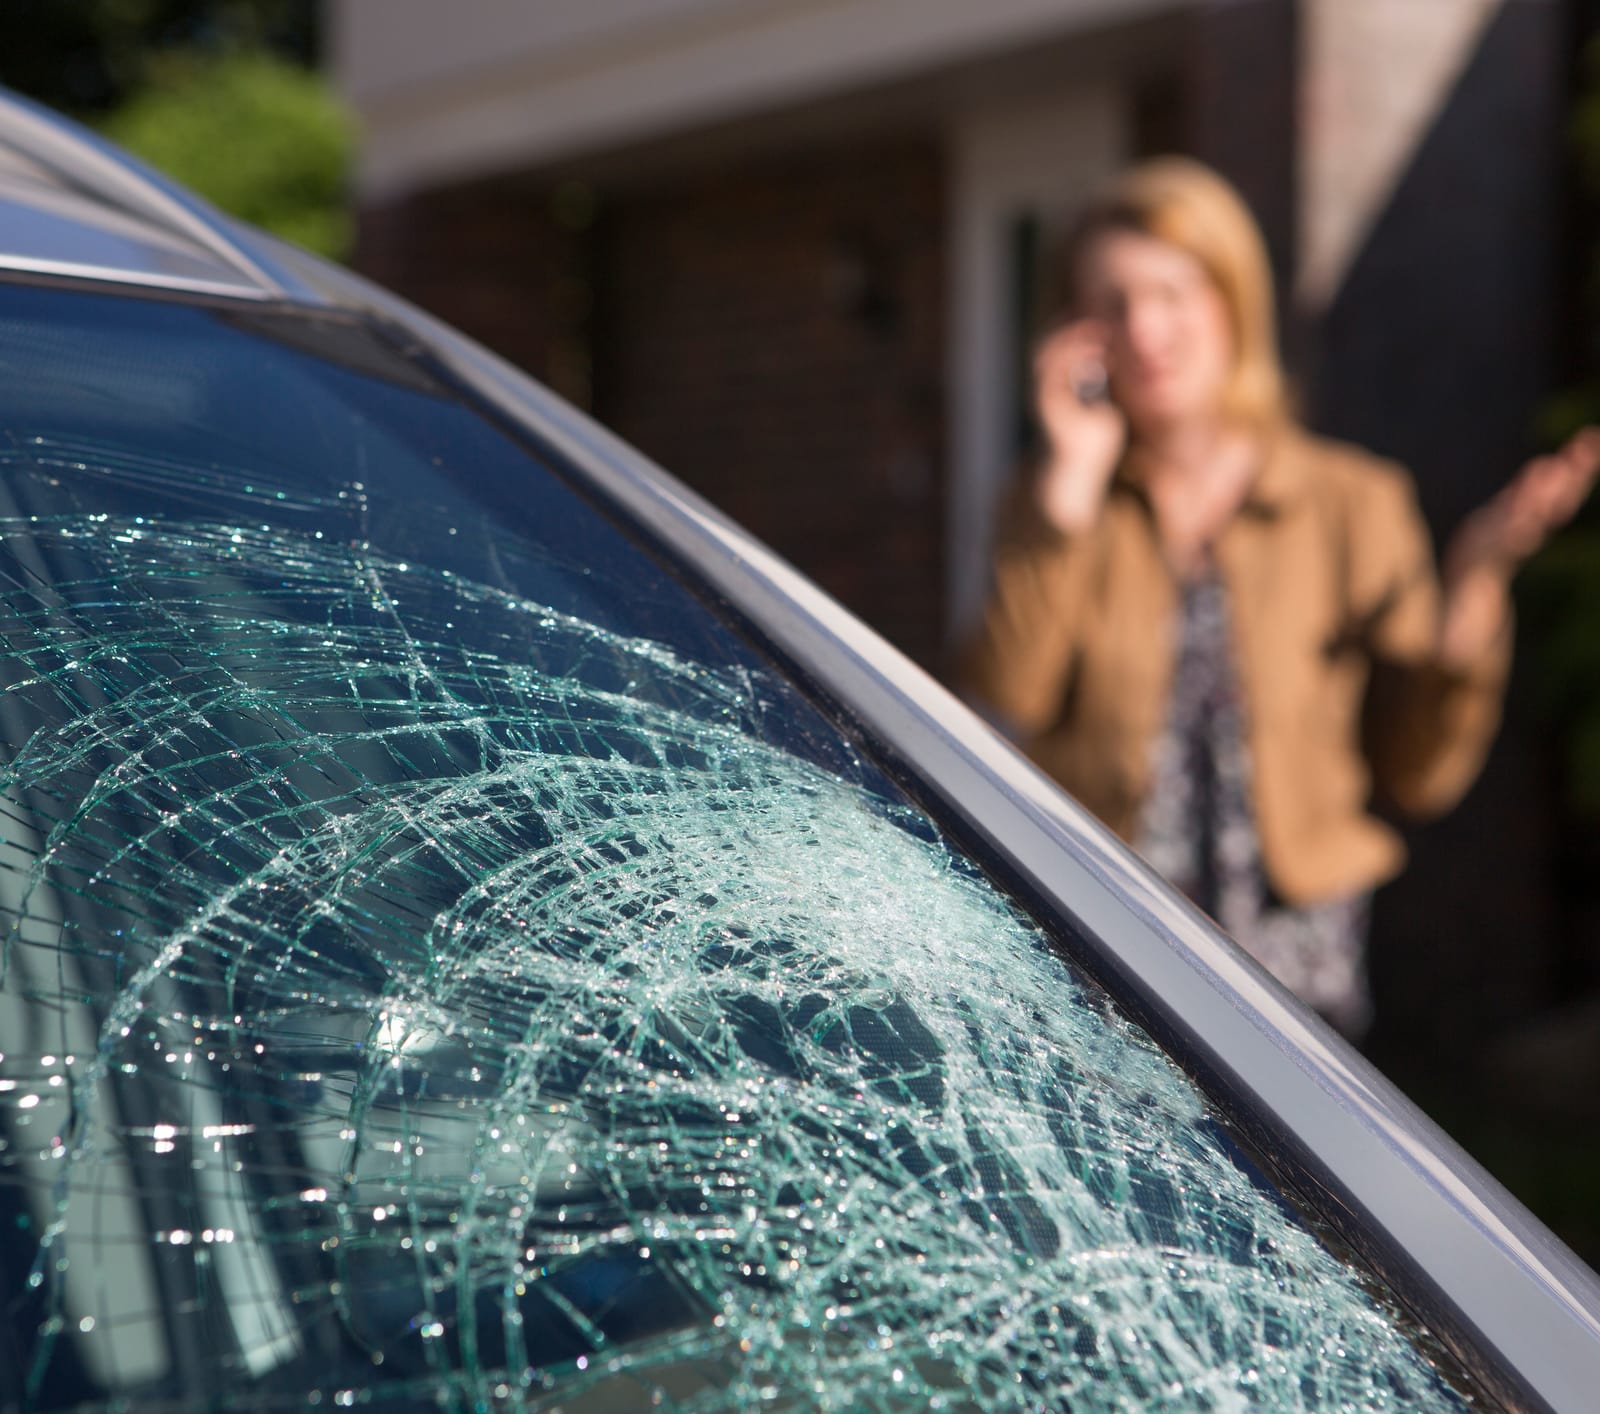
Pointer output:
x,y
445,965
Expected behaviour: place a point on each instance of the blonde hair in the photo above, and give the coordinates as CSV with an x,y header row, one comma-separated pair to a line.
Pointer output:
x,y
1185,204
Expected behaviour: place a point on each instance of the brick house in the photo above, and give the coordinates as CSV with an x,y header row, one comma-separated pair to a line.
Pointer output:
x,y
790,249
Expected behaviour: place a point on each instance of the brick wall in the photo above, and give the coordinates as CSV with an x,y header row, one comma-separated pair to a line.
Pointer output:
x,y
502,261
771,333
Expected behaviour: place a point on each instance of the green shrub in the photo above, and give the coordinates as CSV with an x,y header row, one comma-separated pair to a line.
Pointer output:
x,y
261,137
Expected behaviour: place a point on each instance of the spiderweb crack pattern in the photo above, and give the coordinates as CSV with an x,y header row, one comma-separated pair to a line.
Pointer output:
x,y
494,1017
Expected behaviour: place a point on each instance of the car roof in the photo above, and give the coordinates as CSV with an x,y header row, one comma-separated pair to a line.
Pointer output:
x,y
72,204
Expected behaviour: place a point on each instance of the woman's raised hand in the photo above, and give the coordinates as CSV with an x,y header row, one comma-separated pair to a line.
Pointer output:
x,y
1084,431
1539,500
1497,537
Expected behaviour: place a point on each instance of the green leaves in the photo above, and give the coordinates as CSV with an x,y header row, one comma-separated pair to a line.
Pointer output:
x,y
262,138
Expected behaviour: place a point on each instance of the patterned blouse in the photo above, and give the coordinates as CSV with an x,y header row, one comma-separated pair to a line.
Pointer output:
x,y
1198,831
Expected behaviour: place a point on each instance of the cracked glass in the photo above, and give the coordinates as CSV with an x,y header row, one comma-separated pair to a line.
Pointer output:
x,y
446,966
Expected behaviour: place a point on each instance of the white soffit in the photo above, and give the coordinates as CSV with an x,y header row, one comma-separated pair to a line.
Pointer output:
x,y
447,93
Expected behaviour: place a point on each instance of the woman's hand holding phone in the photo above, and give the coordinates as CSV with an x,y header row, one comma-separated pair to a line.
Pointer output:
x,y
1084,431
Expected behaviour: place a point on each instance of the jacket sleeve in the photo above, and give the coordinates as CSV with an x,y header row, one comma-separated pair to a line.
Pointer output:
x,y
1427,727
1018,664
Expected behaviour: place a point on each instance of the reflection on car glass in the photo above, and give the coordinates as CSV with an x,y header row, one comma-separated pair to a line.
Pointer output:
x,y
419,992
335,338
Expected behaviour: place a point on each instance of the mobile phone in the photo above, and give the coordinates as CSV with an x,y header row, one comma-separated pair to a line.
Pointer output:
x,y
1092,385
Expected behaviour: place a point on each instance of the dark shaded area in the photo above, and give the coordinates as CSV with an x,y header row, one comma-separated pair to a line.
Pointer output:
x,y
87,56
1241,100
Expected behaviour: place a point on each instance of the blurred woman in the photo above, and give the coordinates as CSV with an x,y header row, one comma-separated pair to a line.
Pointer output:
x,y
1225,635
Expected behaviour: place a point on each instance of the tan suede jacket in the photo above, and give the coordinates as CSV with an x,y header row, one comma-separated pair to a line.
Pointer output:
x,y
1335,607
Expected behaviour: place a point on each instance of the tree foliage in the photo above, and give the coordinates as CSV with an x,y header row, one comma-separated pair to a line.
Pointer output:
x,y
259,136
87,56
220,94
